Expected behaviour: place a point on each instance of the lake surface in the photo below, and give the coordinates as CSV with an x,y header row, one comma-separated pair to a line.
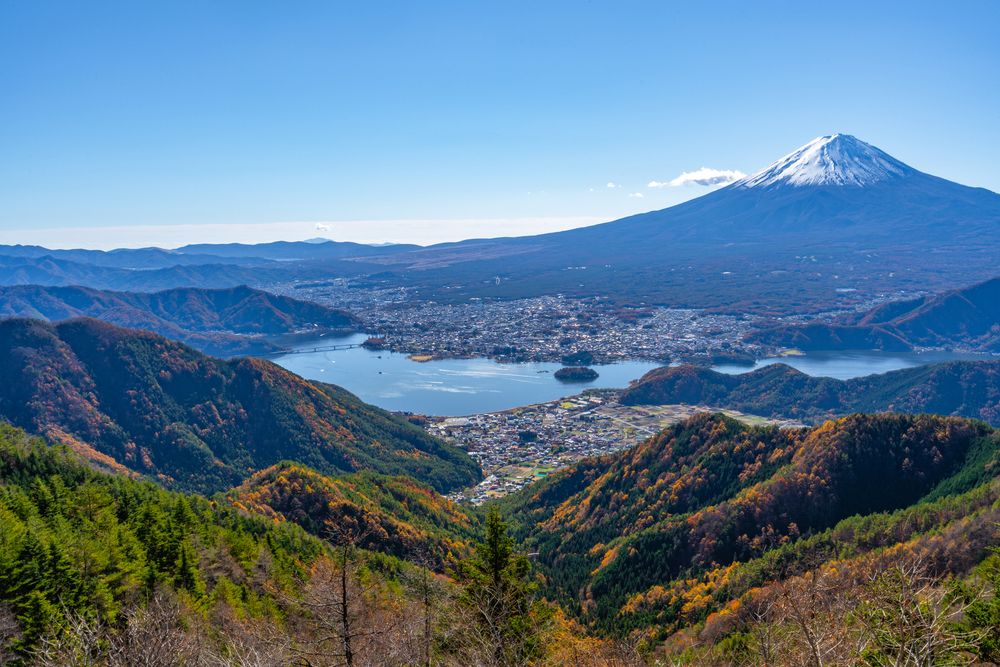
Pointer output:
x,y
447,387
847,365
454,387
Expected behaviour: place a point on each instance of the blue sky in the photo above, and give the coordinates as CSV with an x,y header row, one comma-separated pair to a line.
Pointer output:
x,y
377,121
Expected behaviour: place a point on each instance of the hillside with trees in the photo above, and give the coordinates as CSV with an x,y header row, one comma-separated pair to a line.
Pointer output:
x,y
134,401
959,388
222,322
657,538
394,515
967,318
100,569
83,552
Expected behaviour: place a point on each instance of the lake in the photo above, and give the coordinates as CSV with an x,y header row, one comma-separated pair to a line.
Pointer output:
x,y
446,387
847,365
456,387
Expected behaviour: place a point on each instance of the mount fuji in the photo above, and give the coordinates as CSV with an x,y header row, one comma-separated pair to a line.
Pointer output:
x,y
835,217
838,159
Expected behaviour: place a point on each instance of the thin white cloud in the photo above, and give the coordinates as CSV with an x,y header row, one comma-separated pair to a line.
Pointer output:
x,y
636,195
321,227
613,186
703,176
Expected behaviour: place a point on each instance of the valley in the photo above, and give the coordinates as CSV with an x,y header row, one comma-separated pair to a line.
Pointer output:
x,y
636,444
519,334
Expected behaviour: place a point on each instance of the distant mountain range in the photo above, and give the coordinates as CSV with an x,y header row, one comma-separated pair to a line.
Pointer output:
x,y
963,388
833,222
679,541
290,250
207,253
221,322
52,271
967,318
659,536
150,269
134,401
122,258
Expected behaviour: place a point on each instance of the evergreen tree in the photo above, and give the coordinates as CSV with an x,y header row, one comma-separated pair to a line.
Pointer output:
x,y
35,615
187,577
982,616
500,597
63,577
28,573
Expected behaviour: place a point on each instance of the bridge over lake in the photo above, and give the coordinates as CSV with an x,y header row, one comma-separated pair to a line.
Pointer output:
x,y
318,348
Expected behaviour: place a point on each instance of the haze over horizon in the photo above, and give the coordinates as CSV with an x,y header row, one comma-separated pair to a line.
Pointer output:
x,y
230,123
374,232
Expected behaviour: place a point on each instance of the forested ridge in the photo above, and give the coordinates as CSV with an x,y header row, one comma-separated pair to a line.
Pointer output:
x,y
964,318
960,388
393,514
224,322
699,544
102,569
657,538
135,401
75,542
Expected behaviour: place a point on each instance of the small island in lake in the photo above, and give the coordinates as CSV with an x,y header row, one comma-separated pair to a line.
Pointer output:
x,y
576,374
375,343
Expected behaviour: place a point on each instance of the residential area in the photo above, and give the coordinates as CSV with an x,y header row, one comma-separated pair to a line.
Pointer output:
x,y
527,443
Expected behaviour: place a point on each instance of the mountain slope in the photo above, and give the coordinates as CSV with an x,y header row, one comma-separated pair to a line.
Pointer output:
x,y
836,213
966,318
100,569
961,388
838,159
76,541
214,321
658,533
53,271
393,515
48,270
133,400
817,336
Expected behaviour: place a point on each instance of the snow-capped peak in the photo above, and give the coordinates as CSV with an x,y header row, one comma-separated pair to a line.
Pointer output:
x,y
838,159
